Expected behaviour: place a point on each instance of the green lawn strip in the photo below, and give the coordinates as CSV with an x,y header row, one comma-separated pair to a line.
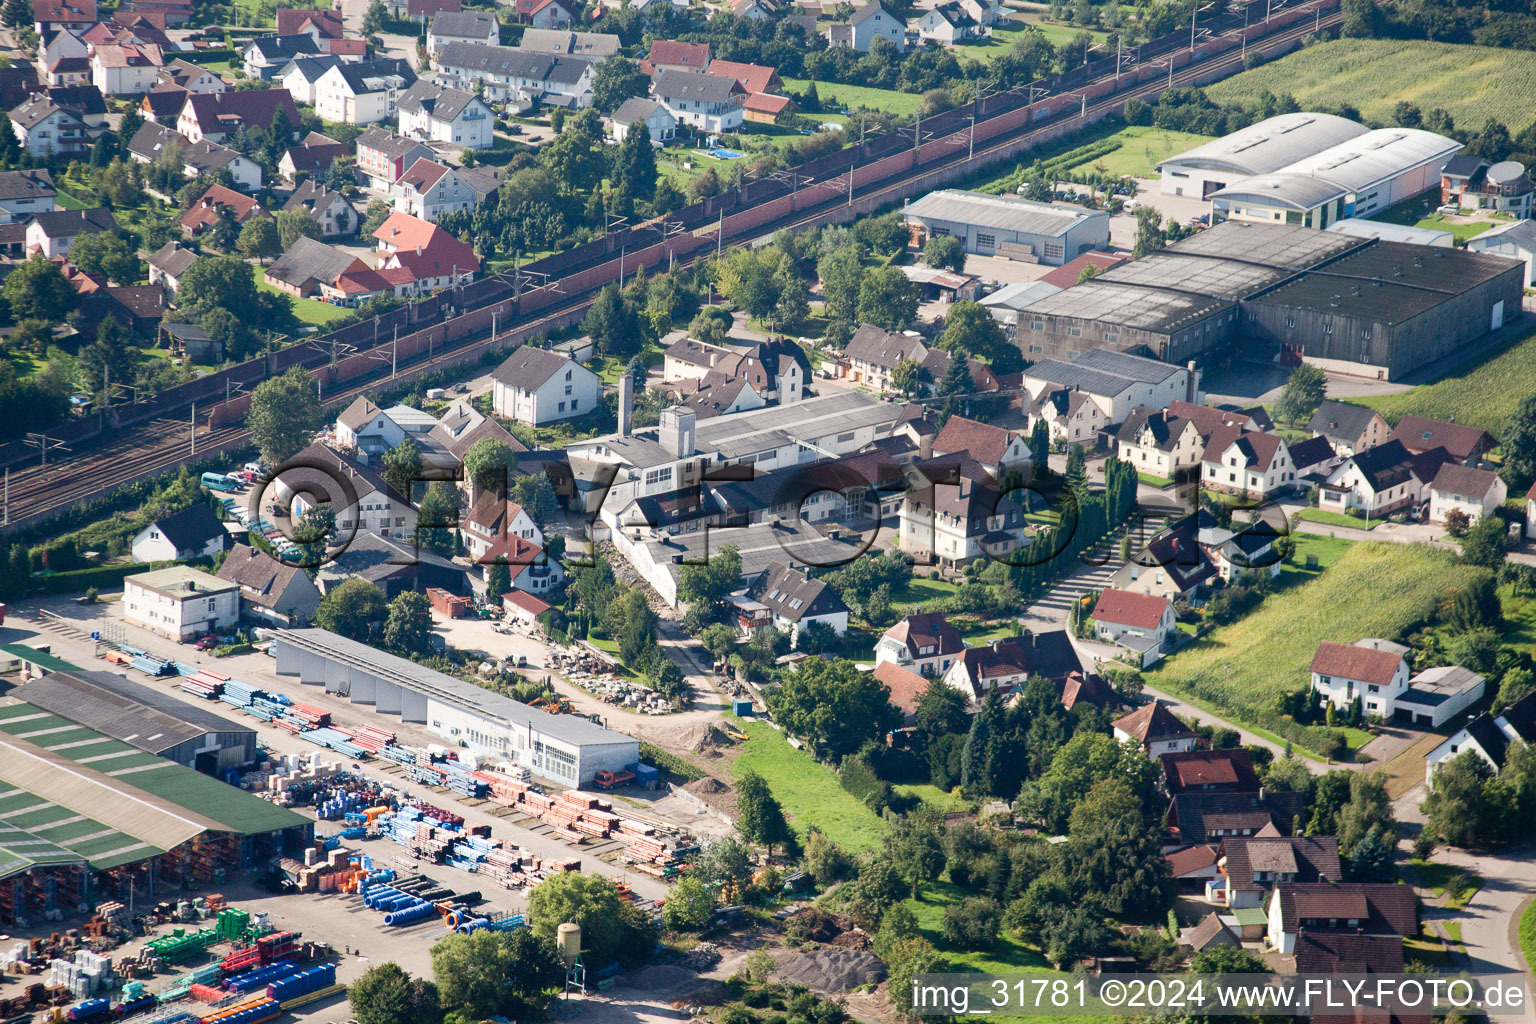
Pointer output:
x,y
1009,955
920,589
1243,668
1482,392
1438,877
308,310
1528,934
1153,480
808,790
931,794
1453,931
836,97
1317,515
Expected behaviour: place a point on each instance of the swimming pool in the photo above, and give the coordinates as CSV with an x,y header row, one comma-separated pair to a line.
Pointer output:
x,y
725,154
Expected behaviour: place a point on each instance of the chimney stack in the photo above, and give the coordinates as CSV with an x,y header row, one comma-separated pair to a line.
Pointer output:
x,y
626,403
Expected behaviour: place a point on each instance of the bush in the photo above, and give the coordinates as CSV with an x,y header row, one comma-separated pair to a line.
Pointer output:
x,y
667,762
972,923
107,576
1335,746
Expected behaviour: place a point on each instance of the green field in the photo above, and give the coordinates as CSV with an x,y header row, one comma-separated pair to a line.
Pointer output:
x,y
1482,392
1317,515
310,311
1528,934
808,789
1141,148
835,97
1373,589
1474,83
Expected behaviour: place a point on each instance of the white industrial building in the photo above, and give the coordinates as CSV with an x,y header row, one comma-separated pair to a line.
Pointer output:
x,y
1263,148
1008,226
567,749
180,602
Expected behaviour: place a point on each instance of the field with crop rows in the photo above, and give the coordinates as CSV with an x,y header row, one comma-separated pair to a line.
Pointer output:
x,y
1474,83
1482,393
1375,589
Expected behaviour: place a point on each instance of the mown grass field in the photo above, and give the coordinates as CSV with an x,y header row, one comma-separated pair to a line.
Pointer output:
x,y
307,310
1482,392
1474,83
808,790
1140,150
1317,515
1373,589
835,97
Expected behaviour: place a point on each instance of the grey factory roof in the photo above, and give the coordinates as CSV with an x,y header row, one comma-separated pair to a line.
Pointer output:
x,y
808,420
572,729
1278,245
1357,227
1375,156
118,707
1009,213
1284,188
1202,275
762,546
1101,371
1126,305
1271,144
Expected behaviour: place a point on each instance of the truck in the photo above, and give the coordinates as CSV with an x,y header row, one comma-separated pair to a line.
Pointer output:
x,y
606,779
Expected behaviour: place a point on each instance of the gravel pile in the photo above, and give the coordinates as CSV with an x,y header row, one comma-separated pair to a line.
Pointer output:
x,y
832,971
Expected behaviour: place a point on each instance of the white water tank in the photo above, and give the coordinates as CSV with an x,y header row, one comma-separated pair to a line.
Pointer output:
x,y
568,938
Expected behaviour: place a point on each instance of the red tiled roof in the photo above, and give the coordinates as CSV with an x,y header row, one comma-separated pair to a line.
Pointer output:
x,y
291,22
526,601
1124,608
906,687
418,8
68,11
1347,661
227,111
981,441
766,103
1065,276
1230,770
1258,449
753,77
1183,862
672,53
346,47
404,231
206,211
1152,722
1420,435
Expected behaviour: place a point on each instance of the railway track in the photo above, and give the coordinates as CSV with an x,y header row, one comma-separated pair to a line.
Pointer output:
x,y
38,492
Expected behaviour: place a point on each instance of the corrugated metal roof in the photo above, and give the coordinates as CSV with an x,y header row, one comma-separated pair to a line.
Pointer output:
x,y
1270,144
1009,213
148,719
1372,158
1294,191
32,656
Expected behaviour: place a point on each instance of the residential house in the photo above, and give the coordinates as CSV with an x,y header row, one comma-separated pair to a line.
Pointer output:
x,y
754,78
535,386
457,430
1237,556
1348,428
362,501
1473,492
462,27
1007,663
216,204
906,688
1155,729
1488,736
596,45
194,532
69,70
265,56
1373,671
307,265
51,234
719,395
1247,463
1141,623
180,603
364,427
428,189
169,263
383,156
1214,817
17,82
49,16
1158,443
1467,445
1314,458
776,370
1173,564
272,592
24,193
1116,381
948,24
218,116
872,353
162,104
1254,865
671,55
923,642
191,77
316,24
705,102
1208,419
1342,953
46,129
870,22
636,112
1208,771
1359,908
954,524
1515,240
545,14
1193,868
795,601
1070,416
439,114
1379,480
1472,183
301,76
755,10
519,77
84,101
313,156
152,141
327,208
522,607
998,450
492,520
362,92
127,69
67,44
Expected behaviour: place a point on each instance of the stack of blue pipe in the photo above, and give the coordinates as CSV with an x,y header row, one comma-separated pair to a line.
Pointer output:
x,y
458,779
261,977
302,983
336,741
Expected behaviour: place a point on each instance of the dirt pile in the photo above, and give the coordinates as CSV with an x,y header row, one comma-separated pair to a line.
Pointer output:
x,y
832,971
813,925
659,977
707,786
703,738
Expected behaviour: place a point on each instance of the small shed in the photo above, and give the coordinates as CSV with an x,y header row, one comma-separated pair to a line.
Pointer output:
x,y
193,342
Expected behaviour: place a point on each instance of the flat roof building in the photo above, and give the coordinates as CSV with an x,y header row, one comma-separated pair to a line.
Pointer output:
x,y
1010,226
1358,228
181,602
568,749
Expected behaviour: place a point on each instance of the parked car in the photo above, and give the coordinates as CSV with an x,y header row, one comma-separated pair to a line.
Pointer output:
x,y
207,643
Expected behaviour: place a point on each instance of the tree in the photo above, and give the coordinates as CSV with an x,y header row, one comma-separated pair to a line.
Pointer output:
x,y
351,609
577,155
616,80
610,928
1227,960
906,376
706,585
385,994
1457,522
259,239
690,905
1369,808
613,324
489,463
841,273
1518,683
16,13
291,225
1150,236
19,569
107,253
490,973
37,290
914,845
402,466
1372,860
944,252
121,183
887,299
108,358
1113,851
1458,809
903,964
409,626
1518,443
972,923
375,18
225,282
1303,392
1485,543
758,815
833,706
437,520
956,381
1359,18
825,861
636,169
284,413
498,579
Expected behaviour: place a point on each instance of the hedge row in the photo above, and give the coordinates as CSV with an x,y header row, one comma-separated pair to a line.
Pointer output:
x,y
101,577
658,758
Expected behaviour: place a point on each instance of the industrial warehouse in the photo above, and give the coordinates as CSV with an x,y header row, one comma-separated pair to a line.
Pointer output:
x,y
566,748
85,817
1360,306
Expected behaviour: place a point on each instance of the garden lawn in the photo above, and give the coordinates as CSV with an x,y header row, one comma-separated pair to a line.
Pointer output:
x,y
835,97
1153,480
1437,877
1374,589
1473,83
1140,150
1528,934
1518,632
308,310
1318,515
1009,955
931,794
1482,392
808,790
920,590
